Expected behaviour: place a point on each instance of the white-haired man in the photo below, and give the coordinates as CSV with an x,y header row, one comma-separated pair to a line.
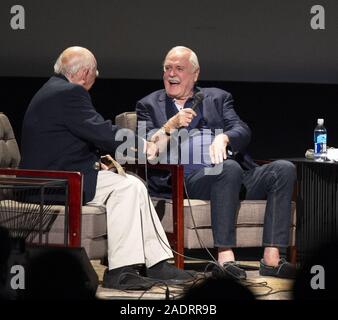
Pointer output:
x,y
169,110
63,131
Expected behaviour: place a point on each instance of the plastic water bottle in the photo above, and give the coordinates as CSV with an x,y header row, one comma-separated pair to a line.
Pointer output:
x,y
320,139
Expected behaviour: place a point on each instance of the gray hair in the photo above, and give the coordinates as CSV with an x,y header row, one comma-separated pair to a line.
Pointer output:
x,y
70,66
192,58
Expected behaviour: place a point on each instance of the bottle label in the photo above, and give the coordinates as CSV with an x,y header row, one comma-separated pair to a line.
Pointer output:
x,y
321,138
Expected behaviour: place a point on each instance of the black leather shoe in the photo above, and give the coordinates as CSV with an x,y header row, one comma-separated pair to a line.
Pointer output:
x,y
283,270
125,278
230,269
165,272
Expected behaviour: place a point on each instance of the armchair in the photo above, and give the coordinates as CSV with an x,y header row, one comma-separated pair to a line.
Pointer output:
x,y
86,224
181,226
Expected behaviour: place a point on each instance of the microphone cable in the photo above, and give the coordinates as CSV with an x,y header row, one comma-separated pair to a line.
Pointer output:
x,y
212,261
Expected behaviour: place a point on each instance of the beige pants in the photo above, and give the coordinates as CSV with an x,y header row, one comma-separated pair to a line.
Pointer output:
x,y
135,233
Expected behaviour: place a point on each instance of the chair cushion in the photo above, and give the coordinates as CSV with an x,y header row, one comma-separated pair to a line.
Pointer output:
x,y
251,213
94,223
93,230
249,227
126,120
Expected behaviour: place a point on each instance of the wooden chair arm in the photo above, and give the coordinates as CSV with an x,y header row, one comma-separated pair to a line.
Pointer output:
x,y
261,162
74,196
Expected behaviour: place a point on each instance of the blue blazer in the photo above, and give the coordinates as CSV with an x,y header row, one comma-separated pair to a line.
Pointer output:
x,y
217,112
62,131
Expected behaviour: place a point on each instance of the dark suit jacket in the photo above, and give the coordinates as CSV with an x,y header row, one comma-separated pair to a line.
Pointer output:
x,y
217,112
62,131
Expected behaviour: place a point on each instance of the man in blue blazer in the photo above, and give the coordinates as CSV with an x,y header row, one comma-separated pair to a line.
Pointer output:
x,y
208,118
63,131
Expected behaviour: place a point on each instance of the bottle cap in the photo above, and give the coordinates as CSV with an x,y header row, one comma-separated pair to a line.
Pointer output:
x,y
320,122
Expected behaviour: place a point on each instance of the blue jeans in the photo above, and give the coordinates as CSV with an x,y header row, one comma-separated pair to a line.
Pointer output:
x,y
273,181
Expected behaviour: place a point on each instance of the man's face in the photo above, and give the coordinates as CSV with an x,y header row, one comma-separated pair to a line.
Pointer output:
x,y
179,75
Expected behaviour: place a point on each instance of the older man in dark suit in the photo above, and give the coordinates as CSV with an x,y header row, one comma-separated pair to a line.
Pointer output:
x,y
63,131
220,177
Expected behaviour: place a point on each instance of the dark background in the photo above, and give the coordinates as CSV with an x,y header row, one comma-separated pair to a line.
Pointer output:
x,y
283,74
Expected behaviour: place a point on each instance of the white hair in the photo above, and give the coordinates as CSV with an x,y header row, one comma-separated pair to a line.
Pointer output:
x,y
69,67
192,57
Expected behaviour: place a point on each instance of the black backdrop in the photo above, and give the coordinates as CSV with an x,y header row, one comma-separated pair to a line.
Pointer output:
x,y
236,40
282,73
282,116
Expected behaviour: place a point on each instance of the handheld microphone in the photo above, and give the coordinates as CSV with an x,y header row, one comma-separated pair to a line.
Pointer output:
x,y
198,97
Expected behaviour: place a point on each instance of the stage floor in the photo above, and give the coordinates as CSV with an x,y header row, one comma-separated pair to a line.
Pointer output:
x,y
264,288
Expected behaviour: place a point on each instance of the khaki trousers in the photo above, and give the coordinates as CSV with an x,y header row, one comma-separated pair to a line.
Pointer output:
x,y
135,233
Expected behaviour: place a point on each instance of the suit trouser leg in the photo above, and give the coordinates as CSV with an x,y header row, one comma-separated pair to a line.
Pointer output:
x,y
274,182
156,245
223,192
132,227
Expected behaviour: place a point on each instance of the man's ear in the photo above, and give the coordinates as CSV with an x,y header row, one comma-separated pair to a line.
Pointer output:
x,y
197,72
85,74
78,77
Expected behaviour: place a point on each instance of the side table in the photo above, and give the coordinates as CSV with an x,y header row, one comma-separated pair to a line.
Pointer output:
x,y
317,205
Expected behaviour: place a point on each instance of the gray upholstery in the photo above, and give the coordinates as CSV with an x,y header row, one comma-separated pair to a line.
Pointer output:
x,y
93,233
249,227
9,151
126,120
250,217
93,227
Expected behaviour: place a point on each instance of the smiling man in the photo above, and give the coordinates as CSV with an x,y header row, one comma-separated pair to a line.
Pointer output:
x,y
181,71
175,109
